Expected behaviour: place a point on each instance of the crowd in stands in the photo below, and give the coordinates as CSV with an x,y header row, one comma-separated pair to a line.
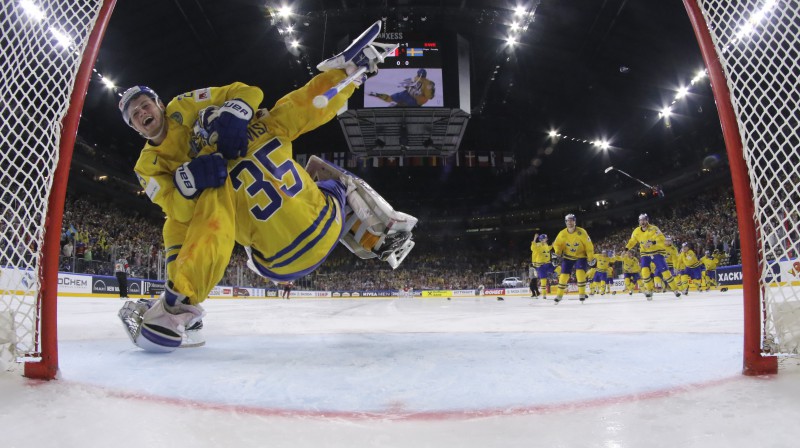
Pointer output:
x,y
95,234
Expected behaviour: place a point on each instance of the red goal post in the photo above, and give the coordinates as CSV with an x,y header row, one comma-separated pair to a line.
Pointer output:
x,y
46,58
751,49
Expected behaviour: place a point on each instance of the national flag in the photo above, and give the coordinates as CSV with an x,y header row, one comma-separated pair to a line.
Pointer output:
x,y
393,53
390,161
414,52
483,160
492,158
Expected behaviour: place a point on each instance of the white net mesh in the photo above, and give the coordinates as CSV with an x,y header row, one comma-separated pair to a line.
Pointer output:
x,y
758,44
41,47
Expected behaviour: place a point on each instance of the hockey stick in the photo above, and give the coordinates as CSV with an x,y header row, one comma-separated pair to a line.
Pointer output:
x,y
321,101
611,168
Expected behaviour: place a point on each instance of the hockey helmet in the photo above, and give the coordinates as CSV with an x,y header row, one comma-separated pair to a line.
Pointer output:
x,y
542,237
422,73
130,95
569,216
644,217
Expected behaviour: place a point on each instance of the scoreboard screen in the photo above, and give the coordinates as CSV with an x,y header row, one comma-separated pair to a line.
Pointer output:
x,y
410,77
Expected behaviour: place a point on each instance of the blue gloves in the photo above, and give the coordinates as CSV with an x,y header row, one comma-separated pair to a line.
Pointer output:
x,y
229,123
208,171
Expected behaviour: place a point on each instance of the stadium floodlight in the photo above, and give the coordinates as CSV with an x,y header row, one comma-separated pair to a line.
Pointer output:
x,y
284,12
108,83
519,11
511,41
295,43
552,134
31,10
682,92
665,112
611,168
514,26
604,145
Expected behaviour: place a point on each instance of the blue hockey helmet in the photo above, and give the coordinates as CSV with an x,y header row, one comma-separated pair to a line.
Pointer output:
x,y
569,216
644,217
422,73
542,237
130,95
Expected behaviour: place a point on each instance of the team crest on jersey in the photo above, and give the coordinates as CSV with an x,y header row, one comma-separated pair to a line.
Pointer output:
x,y
202,94
177,117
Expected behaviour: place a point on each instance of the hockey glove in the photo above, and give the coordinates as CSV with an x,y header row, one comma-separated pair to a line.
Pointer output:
x,y
592,262
208,171
229,123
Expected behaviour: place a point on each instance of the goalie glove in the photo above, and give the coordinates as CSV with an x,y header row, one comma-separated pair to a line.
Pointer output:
x,y
227,127
207,171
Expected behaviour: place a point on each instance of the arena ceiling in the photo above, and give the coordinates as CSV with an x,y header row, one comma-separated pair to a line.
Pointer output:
x,y
591,69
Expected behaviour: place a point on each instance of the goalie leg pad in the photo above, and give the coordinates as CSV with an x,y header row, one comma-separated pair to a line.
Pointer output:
x,y
372,227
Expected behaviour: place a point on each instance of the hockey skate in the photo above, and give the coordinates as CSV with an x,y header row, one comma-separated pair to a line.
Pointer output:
x,y
155,326
362,52
373,229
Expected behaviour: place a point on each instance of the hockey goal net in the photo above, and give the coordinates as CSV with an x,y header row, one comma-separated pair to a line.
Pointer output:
x,y
751,49
47,51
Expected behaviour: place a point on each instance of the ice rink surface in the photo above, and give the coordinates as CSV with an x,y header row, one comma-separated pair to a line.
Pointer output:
x,y
617,371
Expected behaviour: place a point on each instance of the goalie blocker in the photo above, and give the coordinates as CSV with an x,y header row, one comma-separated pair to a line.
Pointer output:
x,y
373,229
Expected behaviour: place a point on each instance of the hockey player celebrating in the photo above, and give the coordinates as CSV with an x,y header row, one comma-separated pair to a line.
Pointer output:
x,y
575,247
222,174
540,258
651,250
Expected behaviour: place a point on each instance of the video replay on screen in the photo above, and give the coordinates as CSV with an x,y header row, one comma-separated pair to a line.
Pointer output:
x,y
410,77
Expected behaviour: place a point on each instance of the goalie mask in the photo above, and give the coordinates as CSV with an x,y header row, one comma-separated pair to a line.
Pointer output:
x,y
130,95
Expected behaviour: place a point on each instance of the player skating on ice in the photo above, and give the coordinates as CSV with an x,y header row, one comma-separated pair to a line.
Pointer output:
x,y
540,258
222,173
651,250
574,247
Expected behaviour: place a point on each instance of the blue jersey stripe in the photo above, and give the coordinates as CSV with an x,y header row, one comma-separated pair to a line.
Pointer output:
x,y
311,229
312,243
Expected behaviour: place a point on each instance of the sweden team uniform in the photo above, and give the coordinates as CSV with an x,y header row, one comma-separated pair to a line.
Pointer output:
x,y
693,269
575,248
269,204
540,258
651,249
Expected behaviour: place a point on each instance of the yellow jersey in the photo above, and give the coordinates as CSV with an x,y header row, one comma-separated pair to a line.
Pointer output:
x,y
650,240
540,253
574,245
268,203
